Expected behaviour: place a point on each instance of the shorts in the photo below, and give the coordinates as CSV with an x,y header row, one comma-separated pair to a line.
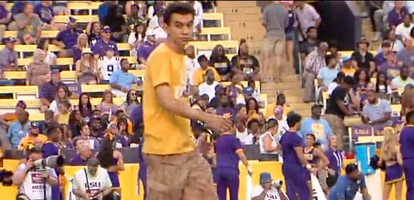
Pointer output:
x,y
179,176
114,179
290,36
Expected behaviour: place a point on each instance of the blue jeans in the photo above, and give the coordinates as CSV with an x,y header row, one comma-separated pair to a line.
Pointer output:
x,y
7,82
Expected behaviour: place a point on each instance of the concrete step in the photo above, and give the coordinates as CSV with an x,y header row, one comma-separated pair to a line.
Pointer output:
x,y
288,92
236,17
244,24
281,86
232,4
249,33
255,43
303,112
300,106
239,10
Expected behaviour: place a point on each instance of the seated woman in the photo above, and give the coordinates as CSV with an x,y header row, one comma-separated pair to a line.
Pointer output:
x,y
38,71
220,62
50,57
81,43
86,69
244,63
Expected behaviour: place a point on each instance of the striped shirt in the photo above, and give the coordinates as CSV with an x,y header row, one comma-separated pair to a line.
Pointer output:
x,y
48,90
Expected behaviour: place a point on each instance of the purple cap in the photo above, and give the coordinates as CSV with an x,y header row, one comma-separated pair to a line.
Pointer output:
x,y
106,29
21,104
71,20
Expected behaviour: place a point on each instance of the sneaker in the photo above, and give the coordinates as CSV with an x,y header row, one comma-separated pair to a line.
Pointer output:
x,y
377,36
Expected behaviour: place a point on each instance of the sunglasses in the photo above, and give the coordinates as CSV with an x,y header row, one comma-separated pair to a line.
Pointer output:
x,y
134,94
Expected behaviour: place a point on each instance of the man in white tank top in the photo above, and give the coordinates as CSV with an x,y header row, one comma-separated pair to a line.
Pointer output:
x,y
31,180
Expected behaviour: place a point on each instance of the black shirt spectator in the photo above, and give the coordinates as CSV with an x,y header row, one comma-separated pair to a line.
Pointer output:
x,y
338,94
219,60
362,57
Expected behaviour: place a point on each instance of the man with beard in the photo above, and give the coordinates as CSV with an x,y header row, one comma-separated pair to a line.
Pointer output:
x,y
96,128
33,136
377,111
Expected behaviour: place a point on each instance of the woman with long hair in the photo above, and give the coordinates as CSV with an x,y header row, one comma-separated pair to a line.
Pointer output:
x,y
75,122
86,68
93,32
107,105
268,141
63,93
136,38
407,99
220,62
38,71
315,156
382,88
111,160
130,103
252,108
392,159
84,105
82,42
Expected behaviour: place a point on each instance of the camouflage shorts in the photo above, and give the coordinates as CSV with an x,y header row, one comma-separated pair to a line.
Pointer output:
x,y
179,177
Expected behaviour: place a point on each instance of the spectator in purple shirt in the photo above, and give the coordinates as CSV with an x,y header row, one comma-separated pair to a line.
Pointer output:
x,y
396,15
226,107
381,57
406,56
48,90
4,18
229,151
68,38
391,68
147,48
294,163
85,152
52,148
104,43
45,11
336,162
17,8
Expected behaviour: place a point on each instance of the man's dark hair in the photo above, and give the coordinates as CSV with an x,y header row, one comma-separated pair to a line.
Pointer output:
x,y
293,119
349,80
93,162
52,129
409,116
316,106
177,8
351,168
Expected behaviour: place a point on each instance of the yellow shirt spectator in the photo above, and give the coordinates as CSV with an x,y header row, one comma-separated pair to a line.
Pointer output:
x,y
31,140
270,109
200,73
165,133
348,71
129,123
63,118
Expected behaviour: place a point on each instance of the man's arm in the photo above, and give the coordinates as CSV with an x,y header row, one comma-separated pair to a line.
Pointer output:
x,y
259,193
76,188
341,186
363,188
264,18
20,174
113,81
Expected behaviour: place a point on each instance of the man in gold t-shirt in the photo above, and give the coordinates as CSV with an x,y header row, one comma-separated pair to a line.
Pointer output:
x,y
175,170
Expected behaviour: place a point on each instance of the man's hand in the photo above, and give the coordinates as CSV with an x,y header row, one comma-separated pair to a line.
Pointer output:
x,y
218,123
123,89
29,164
45,174
331,172
313,170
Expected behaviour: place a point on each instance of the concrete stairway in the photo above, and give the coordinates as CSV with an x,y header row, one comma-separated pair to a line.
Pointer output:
x,y
243,17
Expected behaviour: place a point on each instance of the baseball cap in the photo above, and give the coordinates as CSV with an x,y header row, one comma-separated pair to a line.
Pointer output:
x,y
34,125
106,29
71,20
346,58
86,51
21,104
265,177
10,40
55,71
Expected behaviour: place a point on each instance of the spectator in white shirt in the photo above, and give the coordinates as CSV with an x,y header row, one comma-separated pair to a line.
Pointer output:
x,y
199,17
268,189
403,30
160,33
208,87
191,62
136,38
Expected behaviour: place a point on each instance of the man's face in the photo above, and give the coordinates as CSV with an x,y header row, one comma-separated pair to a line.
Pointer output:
x,y
35,156
28,9
10,45
96,124
317,111
125,65
371,96
92,170
404,73
313,33
106,34
151,38
56,77
354,175
267,185
34,131
23,117
180,28
86,152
